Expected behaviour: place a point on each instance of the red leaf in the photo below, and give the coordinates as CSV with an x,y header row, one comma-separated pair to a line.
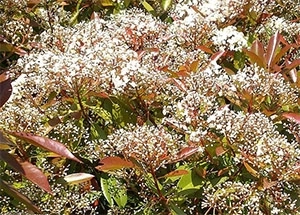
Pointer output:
x,y
175,173
272,46
113,163
47,144
5,88
258,49
186,152
216,56
292,116
280,54
254,58
220,151
98,94
292,65
19,197
30,171
205,49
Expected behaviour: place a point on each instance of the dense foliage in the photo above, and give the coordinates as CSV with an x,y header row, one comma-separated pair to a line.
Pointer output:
x,y
150,107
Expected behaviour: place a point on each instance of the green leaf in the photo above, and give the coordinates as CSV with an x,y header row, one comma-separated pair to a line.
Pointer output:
x,y
47,144
30,171
104,187
166,4
190,183
120,196
176,210
19,197
148,7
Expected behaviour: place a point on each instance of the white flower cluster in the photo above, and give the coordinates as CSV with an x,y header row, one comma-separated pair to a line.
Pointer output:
x,y
151,146
258,82
257,141
229,38
244,198
213,11
279,24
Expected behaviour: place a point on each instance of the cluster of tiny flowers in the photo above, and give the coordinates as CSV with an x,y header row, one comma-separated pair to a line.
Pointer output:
x,y
188,101
17,32
149,145
258,82
238,198
213,11
279,24
229,38
256,140
64,199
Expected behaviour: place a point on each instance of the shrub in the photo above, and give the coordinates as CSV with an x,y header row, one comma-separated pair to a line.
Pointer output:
x,y
170,108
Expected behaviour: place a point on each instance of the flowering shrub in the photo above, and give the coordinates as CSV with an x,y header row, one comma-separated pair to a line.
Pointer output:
x,y
159,107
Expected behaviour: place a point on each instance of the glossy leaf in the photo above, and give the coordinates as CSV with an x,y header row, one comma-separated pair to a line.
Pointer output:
x,y
220,151
176,173
46,143
19,197
281,53
30,171
6,47
148,7
166,4
185,153
293,75
292,65
272,47
250,169
77,178
5,88
216,56
114,163
176,210
258,49
292,116
104,188
254,58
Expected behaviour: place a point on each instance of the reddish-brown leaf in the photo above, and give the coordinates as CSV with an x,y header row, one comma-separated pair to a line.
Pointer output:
x,y
258,49
223,171
280,54
5,88
216,56
185,153
272,47
292,116
175,173
30,171
292,65
267,183
19,197
205,49
98,94
46,143
220,151
254,58
250,169
113,163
